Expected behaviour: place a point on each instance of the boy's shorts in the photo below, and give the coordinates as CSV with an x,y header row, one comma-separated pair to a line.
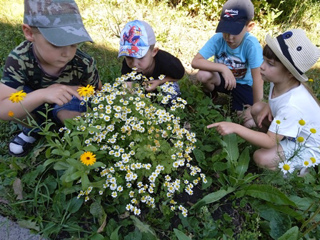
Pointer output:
x,y
74,105
241,95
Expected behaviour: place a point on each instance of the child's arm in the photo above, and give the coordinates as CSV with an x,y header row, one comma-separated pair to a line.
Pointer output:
x,y
264,140
152,85
57,93
201,63
257,85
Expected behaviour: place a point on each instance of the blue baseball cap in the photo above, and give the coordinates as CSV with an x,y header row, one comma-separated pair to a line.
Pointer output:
x,y
235,14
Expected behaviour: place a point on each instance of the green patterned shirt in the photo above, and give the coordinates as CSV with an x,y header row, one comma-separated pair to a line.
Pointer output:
x,y
22,68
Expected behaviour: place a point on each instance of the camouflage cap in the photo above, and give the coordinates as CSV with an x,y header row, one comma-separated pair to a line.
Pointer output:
x,y
59,21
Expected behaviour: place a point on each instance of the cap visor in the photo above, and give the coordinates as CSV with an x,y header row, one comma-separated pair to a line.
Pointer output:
x,y
65,36
233,28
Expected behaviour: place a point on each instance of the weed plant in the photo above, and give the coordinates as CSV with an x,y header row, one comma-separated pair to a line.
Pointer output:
x,y
49,191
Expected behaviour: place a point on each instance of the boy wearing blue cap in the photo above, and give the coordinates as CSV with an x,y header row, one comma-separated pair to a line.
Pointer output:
x,y
237,59
137,44
48,66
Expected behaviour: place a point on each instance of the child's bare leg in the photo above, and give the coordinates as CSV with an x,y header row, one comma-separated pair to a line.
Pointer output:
x,y
209,80
246,116
268,158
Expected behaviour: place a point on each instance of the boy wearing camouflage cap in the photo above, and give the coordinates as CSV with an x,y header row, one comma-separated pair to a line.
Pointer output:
x,y
48,66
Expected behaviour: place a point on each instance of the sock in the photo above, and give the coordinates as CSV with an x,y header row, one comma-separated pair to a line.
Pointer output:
x,y
16,148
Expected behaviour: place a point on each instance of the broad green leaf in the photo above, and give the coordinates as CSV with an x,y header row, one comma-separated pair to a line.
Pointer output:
x,y
114,234
61,166
291,234
143,227
74,205
231,148
243,163
199,155
85,182
267,193
213,197
96,209
73,176
180,235
61,152
28,224
76,142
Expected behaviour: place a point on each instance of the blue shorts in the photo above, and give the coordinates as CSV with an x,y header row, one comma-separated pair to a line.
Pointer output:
x,y
241,95
74,105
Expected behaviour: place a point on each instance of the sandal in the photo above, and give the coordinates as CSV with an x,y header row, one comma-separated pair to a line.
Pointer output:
x,y
19,140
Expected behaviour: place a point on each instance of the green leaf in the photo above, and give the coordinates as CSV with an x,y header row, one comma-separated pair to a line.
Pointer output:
x,y
199,155
96,209
73,176
213,197
143,227
267,193
74,205
114,235
61,152
291,234
180,235
243,163
28,224
231,148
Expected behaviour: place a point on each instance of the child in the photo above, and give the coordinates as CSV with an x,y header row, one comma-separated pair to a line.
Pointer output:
x,y
137,44
237,58
292,114
48,66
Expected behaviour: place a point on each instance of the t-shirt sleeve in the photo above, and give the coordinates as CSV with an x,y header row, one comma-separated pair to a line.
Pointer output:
x,y
210,47
168,65
14,72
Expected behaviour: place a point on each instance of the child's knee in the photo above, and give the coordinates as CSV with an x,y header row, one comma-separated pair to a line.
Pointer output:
x,y
204,76
264,160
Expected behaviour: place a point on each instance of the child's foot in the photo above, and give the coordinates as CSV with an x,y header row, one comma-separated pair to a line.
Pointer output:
x,y
22,143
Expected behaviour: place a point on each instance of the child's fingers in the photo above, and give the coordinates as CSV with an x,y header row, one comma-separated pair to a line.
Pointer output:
x,y
212,125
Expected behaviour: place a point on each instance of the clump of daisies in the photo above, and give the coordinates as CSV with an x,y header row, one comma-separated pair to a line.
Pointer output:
x,y
303,155
133,150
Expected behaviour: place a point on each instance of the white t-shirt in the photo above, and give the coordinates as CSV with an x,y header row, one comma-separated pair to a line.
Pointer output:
x,y
291,107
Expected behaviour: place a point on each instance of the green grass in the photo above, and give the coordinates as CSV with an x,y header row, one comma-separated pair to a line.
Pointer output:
x,y
248,202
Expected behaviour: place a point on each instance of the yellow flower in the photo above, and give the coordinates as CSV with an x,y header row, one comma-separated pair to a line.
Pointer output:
x,y
302,122
278,122
300,139
310,80
17,96
11,114
87,91
88,158
312,130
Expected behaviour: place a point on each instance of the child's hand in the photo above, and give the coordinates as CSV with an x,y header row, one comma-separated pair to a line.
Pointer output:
x,y
61,94
152,85
230,81
223,128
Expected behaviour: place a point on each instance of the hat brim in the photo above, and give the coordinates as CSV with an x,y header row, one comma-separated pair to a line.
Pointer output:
x,y
275,47
66,36
233,28
133,51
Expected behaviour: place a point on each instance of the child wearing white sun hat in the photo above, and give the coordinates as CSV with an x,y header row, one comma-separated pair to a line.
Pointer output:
x,y
289,122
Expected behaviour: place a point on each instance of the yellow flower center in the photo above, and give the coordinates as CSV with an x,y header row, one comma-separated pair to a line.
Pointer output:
x,y
286,167
312,130
306,163
302,122
278,121
313,160
300,139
